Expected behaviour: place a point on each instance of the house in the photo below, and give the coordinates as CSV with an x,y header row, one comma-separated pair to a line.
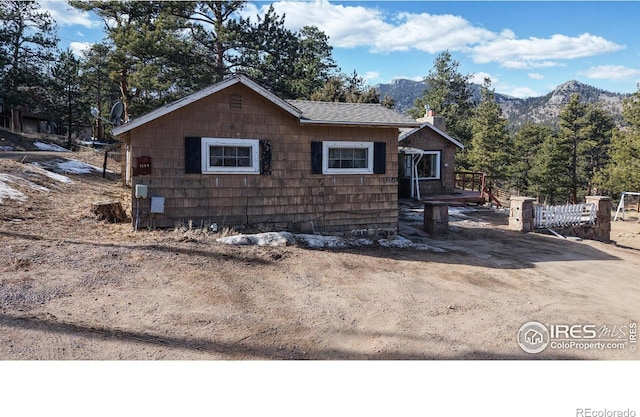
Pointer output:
x,y
236,154
427,159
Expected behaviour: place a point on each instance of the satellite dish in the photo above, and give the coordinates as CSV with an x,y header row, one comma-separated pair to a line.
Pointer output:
x,y
116,113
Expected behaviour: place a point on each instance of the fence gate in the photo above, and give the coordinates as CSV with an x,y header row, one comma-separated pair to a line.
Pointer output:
x,y
561,216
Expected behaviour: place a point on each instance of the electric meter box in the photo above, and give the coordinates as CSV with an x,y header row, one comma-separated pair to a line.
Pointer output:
x,y
141,191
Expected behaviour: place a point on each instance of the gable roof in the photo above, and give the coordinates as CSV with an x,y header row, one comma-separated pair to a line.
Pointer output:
x,y
427,125
191,98
357,114
307,112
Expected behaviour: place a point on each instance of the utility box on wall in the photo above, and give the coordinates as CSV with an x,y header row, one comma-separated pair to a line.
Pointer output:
x,y
141,191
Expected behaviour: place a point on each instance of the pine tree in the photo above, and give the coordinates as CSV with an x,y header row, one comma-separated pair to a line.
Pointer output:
x,y
27,44
526,147
448,94
573,132
491,146
622,171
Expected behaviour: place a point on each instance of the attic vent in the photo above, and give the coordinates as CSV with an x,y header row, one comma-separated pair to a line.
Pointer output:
x,y
236,102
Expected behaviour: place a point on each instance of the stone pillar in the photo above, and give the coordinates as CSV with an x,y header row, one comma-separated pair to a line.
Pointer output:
x,y
603,216
521,214
436,217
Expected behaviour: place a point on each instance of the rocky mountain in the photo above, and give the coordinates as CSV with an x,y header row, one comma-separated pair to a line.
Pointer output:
x,y
543,110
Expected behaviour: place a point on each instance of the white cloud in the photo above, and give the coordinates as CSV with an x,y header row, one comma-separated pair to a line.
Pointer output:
x,y
353,26
541,52
77,48
519,92
65,15
370,76
535,76
611,72
429,33
478,78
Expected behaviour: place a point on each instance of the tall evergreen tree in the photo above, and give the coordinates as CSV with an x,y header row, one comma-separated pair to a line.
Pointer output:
x,y
448,94
27,45
69,103
348,89
594,150
148,51
97,87
573,132
548,174
491,146
526,148
622,171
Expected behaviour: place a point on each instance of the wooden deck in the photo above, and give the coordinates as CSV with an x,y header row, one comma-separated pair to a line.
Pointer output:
x,y
459,197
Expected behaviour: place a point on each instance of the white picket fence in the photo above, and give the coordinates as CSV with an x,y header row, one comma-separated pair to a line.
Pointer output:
x,y
561,216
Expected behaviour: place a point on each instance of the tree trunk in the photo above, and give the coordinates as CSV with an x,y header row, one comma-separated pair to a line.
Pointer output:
x,y
109,210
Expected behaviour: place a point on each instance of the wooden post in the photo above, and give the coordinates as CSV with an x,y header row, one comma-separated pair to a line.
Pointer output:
x,y
104,164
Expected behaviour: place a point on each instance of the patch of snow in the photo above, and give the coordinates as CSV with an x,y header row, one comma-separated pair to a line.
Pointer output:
x,y
399,242
49,147
404,243
52,175
6,148
320,241
8,192
73,166
260,239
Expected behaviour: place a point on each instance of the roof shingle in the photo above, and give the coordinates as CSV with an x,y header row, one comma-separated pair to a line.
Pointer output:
x,y
321,112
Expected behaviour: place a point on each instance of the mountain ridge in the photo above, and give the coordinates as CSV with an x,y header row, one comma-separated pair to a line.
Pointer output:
x,y
542,110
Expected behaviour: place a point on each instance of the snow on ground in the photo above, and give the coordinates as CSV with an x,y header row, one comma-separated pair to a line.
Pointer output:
x,y
6,148
260,239
320,241
72,166
36,167
49,147
9,192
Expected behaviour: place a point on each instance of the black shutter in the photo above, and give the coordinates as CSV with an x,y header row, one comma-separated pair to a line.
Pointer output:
x,y
265,157
379,157
316,157
192,155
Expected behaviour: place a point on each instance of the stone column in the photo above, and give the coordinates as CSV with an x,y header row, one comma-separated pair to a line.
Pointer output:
x,y
521,214
436,217
603,216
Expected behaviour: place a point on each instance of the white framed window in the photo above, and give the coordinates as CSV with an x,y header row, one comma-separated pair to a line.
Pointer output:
x,y
429,166
347,157
232,156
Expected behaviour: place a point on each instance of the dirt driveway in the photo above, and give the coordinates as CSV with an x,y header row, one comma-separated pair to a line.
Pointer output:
x,y
72,287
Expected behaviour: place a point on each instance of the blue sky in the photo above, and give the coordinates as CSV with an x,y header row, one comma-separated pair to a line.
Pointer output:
x,y
526,48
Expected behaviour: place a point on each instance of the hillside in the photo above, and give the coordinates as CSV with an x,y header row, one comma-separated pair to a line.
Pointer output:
x,y
542,110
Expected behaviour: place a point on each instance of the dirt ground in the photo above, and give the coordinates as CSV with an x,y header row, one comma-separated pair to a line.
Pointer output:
x,y
73,287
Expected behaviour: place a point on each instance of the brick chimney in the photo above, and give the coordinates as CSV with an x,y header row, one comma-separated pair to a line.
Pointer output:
x,y
437,121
